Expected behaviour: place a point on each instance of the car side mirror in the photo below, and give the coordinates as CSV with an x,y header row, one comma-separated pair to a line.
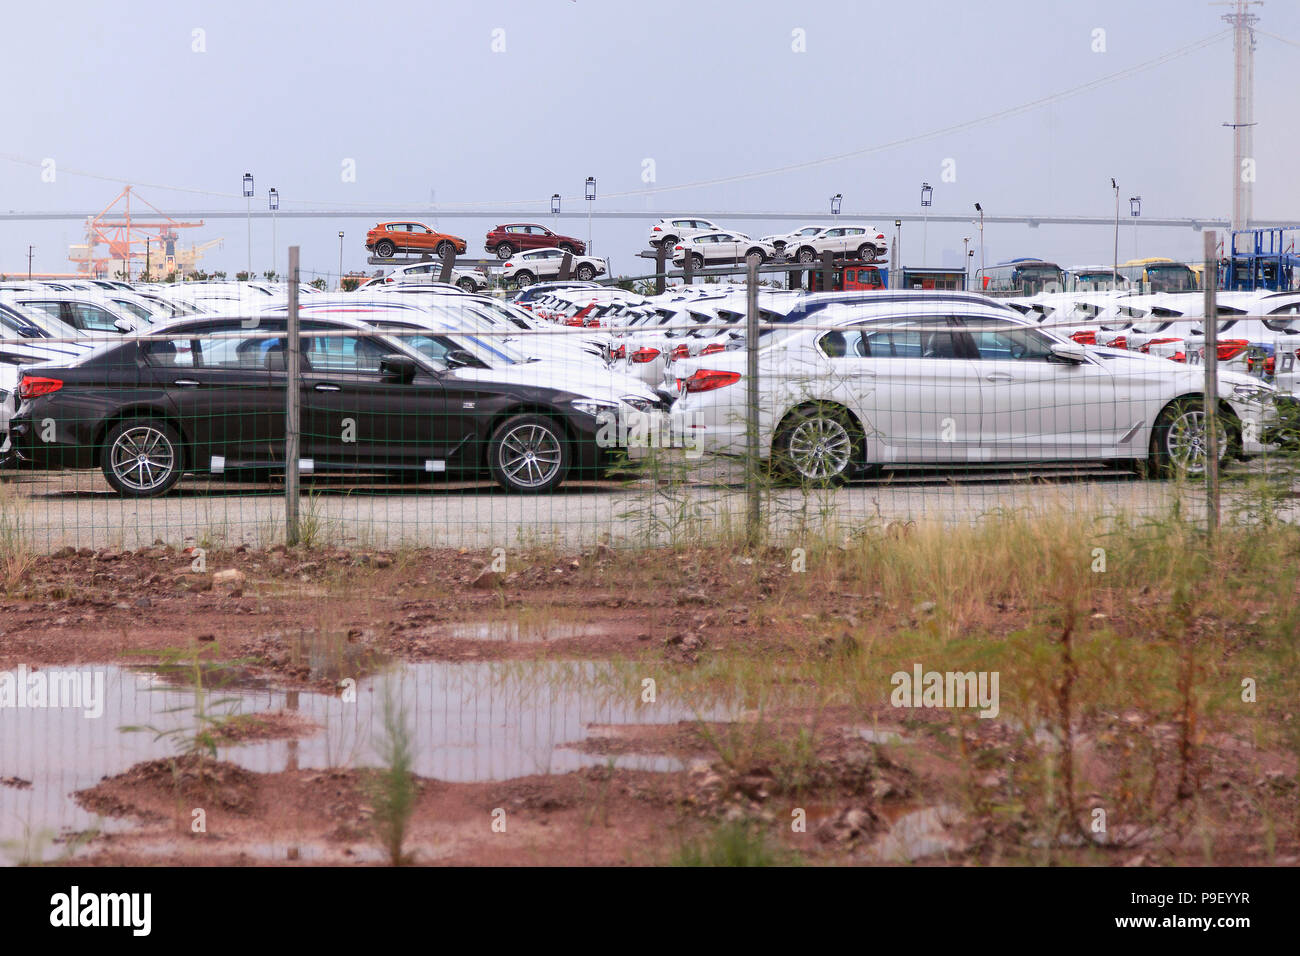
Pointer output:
x,y
400,368
123,325
459,358
1071,353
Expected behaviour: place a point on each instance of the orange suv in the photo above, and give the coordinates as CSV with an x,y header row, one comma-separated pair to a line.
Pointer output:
x,y
388,238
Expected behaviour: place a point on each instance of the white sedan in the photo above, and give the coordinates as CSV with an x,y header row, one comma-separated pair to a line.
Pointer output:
x,y
525,268
930,383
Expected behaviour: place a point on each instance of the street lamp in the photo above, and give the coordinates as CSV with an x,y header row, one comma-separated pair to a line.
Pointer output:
x,y
898,254
835,203
555,204
965,261
340,260
591,198
1114,278
980,209
1135,211
248,211
273,200
927,192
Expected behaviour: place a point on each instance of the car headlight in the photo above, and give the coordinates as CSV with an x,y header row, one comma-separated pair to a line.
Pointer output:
x,y
1252,393
640,404
592,406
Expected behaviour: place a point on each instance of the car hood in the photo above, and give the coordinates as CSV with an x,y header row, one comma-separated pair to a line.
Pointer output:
x,y
580,378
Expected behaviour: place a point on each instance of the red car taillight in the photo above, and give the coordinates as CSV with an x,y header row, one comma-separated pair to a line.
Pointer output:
x,y
1147,347
1119,342
1180,356
880,235
1230,348
33,386
1270,365
682,351
713,349
620,352
706,380
656,229
644,355
1085,337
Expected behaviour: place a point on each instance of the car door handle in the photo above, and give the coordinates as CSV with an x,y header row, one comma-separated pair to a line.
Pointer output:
x,y
185,382
1000,377
326,387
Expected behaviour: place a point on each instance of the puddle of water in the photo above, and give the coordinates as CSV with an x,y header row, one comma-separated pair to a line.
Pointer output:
x,y
520,632
921,833
470,722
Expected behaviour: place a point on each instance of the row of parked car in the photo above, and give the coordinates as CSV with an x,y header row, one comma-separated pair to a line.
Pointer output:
x,y
570,379
705,243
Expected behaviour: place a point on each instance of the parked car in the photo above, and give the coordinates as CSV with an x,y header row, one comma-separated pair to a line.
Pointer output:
x,y
526,268
525,297
795,236
504,241
720,247
860,242
388,238
471,280
959,382
211,400
668,232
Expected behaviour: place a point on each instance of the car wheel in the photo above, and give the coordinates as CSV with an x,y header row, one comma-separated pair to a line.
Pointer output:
x,y
467,284
762,256
667,242
868,253
505,250
697,262
817,444
1179,439
807,256
384,249
141,457
528,454
444,247
524,279
565,247
585,273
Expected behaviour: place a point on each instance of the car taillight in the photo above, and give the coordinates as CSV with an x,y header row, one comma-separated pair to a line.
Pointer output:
x,y
1147,347
1270,365
33,385
682,351
620,352
593,323
880,235
713,349
1119,342
1230,348
1085,337
656,229
706,380
644,355
678,248
508,265
1180,356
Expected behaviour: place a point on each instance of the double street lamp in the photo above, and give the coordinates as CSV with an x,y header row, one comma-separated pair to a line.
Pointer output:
x,y
927,194
248,211
835,204
590,193
273,202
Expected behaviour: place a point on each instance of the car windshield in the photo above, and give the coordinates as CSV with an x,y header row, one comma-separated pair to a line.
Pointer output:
x,y
494,353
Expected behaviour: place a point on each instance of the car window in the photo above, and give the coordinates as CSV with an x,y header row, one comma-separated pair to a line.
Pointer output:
x,y
998,340
238,353
342,353
923,337
842,344
93,318
178,353
137,310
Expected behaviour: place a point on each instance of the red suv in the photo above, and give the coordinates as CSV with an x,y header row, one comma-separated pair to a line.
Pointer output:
x,y
504,241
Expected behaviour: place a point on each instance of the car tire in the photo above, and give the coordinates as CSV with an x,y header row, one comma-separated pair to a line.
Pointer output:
x,y
529,454
141,457
505,250
566,247
524,279
468,285
585,273
868,253
1177,448
697,262
667,243
384,249
444,247
807,256
817,444
762,256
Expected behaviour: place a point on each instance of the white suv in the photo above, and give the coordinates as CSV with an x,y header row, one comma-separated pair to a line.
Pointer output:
x,y
793,238
471,280
525,268
858,242
710,248
667,232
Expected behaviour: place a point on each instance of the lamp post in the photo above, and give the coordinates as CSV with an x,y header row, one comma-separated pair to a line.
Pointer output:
x,y
147,241
273,200
591,198
29,262
965,261
1135,211
980,209
835,204
340,260
248,211
898,254
555,207
1114,277
927,194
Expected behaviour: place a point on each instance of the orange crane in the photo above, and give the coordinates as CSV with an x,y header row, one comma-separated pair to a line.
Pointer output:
x,y
126,237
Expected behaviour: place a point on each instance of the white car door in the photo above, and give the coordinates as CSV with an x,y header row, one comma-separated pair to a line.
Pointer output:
x,y
916,395
1035,406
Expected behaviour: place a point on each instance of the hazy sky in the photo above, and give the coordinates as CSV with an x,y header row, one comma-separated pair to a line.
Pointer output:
x,y
516,99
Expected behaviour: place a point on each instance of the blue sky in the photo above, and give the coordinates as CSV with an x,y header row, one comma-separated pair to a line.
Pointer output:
x,y
518,99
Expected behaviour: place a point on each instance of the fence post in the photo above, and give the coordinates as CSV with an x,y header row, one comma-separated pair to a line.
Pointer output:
x,y
292,397
661,260
688,268
566,263
448,262
754,517
1211,360
828,271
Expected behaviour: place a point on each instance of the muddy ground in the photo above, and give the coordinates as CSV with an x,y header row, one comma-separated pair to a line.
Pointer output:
x,y
849,780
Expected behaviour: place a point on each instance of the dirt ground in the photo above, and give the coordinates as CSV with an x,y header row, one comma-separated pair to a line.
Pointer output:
x,y
850,780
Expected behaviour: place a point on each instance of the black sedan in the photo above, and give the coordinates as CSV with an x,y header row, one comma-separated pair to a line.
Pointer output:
x,y
210,398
